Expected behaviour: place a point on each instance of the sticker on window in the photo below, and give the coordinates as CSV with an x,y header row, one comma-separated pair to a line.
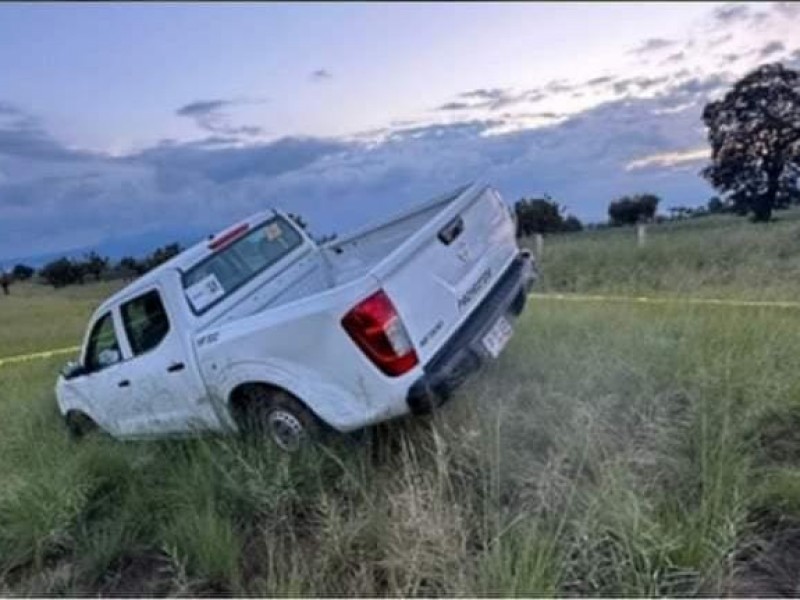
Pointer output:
x,y
205,292
273,232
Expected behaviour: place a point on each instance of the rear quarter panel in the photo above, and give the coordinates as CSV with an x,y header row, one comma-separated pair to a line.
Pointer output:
x,y
302,348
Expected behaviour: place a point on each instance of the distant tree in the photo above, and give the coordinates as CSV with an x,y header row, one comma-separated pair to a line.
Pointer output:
x,y
629,210
22,272
572,223
5,282
299,221
61,272
648,204
95,264
543,215
715,205
162,255
131,266
754,132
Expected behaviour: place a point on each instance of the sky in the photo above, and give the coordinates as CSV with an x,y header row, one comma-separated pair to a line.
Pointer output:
x,y
125,126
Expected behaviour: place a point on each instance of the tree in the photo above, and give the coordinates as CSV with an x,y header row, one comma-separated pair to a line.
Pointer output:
x,y
754,133
95,264
630,210
299,221
131,266
22,272
715,205
543,215
572,223
162,255
61,272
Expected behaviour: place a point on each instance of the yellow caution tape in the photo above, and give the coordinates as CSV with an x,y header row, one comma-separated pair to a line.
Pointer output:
x,y
662,300
36,355
539,296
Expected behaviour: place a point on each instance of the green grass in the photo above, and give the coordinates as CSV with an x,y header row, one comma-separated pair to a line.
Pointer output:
x,y
34,317
725,257
612,450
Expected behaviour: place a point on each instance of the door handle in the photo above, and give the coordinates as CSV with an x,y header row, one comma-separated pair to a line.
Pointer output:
x,y
124,383
174,367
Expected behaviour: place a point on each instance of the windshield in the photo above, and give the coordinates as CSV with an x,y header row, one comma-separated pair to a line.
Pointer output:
x,y
211,280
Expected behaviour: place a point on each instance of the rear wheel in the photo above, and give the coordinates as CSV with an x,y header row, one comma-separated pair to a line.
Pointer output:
x,y
278,415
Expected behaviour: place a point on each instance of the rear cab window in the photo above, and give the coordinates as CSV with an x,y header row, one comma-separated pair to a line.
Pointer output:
x,y
219,275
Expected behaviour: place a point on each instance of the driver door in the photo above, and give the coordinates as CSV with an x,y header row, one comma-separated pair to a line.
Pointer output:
x,y
104,371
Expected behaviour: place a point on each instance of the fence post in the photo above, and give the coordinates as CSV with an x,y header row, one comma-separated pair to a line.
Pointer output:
x,y
539,239
641,235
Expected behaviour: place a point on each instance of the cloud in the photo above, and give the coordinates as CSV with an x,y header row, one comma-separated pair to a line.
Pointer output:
x,y
202,108
731,13
485,94
600,80
771,48
195,188
677,57
455,106
789,10
210,116
701,86
720,40
22,136
321,75
669,159
653,45
494,99
623,86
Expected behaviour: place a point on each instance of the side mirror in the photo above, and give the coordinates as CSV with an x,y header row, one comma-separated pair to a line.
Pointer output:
x,y
73,369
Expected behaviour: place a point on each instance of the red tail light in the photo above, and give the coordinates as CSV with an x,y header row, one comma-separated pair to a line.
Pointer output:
x,y
377,329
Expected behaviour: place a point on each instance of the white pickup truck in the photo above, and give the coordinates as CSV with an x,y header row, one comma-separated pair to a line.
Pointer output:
x,y
261,326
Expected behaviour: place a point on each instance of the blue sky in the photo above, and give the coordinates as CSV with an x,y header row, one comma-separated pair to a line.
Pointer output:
x,y
125,125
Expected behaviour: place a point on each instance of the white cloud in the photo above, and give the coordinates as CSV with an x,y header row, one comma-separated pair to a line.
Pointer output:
x,y
669,159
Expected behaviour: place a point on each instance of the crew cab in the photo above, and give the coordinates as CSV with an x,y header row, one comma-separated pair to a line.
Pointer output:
x,y
260,326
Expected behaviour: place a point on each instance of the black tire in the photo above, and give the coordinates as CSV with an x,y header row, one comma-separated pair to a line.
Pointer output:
x,y
79,424
273,413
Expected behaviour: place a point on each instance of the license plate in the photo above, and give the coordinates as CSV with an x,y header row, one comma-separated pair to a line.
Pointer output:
x,y
498,337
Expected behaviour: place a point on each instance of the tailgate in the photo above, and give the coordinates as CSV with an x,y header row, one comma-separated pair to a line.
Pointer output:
x,y
438,276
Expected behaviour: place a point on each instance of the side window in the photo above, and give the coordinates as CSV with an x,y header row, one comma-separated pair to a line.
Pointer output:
x,y
103,349
145,322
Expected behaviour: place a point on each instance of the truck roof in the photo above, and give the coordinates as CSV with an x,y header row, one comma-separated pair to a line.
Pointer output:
x,y
182,261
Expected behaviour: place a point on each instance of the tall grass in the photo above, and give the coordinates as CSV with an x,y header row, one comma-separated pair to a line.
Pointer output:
x,y
610,451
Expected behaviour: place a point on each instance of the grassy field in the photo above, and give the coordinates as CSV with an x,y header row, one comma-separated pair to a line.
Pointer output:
x,y
612,450
721,256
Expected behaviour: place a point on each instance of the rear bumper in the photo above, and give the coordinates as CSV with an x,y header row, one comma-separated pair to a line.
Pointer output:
x,y
464,352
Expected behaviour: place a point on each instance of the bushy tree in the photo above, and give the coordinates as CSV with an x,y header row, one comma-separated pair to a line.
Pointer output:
x,y
95,264
299,221
22,272
543,215
754,132
629,210
572,223
162,255
61,272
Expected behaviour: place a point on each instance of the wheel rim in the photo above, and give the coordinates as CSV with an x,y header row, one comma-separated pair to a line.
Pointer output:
x,y
286,430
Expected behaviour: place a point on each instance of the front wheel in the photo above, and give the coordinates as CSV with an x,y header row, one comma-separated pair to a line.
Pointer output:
x,y
79,424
